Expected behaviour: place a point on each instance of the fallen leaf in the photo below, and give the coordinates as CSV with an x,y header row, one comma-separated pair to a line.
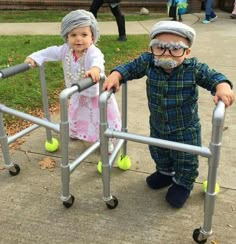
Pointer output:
x,y
10,59
16,144
213,242
47,163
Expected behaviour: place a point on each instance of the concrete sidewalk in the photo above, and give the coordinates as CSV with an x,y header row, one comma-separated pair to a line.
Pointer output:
x,y
106,28
31,209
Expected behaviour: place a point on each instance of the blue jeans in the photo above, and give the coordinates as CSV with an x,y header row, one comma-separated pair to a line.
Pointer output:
x,y
208,9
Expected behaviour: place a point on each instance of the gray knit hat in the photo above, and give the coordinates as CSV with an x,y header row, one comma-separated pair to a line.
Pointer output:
x,y
174,27
79,18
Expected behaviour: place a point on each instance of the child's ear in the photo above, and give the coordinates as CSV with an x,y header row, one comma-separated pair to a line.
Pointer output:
x,y
188,51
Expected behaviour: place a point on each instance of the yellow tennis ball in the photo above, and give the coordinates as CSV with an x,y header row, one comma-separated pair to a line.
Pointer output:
x,y
124,162
52,146
99,167
204,187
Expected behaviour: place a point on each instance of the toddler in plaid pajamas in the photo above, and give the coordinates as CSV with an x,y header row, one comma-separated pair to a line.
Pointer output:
x,y
172,91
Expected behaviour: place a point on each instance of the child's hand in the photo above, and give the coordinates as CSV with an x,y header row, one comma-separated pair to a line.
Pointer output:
x,y
224,93
30,61
113,80
94,73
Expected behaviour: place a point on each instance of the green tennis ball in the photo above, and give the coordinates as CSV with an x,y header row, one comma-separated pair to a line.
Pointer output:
x,y
204,187
124,162
99,167
52,146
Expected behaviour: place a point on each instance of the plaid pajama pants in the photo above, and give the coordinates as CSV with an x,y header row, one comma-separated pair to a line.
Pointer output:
x,y
183,165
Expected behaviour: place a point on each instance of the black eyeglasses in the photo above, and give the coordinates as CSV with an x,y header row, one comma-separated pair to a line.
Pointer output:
x,y
175,52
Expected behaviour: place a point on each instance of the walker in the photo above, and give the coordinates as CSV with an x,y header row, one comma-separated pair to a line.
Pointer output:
x,y
61,128
212,152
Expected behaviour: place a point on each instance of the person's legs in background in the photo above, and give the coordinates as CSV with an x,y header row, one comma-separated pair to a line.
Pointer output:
x,y
120,20
180,18
95,7
209,13
182,8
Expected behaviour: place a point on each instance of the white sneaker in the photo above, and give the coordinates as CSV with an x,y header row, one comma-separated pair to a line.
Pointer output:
x,y
110,148
205,21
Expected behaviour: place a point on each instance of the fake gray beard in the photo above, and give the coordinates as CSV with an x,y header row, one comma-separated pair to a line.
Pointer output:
x,y
165,63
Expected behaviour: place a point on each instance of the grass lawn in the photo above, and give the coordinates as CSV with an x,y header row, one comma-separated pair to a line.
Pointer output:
x,y
24,16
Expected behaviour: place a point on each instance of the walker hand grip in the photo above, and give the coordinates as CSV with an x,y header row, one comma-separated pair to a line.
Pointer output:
x,y
219,114
85,83
7,72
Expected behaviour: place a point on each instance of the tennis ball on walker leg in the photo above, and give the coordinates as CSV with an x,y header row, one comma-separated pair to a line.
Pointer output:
x,y
51,146
99,167
124,162
204,187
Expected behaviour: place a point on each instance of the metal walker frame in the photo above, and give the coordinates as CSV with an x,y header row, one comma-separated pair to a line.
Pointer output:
x,y
212,152
61,128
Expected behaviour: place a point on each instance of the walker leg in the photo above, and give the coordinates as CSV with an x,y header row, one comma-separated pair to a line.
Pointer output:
x,y
66,197
49,139
201,235
111,201
14,169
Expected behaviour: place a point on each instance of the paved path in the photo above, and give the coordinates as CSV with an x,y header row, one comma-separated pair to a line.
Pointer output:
x,y
106,28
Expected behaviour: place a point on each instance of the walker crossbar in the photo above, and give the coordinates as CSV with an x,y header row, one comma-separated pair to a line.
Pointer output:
x,y
212,153
203,151
29,118
22,133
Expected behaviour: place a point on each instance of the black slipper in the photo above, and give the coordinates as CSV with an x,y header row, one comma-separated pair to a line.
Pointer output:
x,y
177,195
158,180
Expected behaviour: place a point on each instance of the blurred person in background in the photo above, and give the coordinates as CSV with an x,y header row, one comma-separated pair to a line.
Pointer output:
x,y
210,16
233,15
114,6
177,7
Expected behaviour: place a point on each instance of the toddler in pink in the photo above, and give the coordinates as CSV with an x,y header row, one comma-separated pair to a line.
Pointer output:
x,y
80,59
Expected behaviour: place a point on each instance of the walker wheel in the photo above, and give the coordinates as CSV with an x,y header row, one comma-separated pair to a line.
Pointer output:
x,y
196,234
69,202
16,171
112,203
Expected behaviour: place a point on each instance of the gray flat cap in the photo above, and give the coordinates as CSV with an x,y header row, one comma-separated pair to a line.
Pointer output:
x,y
174,27
79,18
